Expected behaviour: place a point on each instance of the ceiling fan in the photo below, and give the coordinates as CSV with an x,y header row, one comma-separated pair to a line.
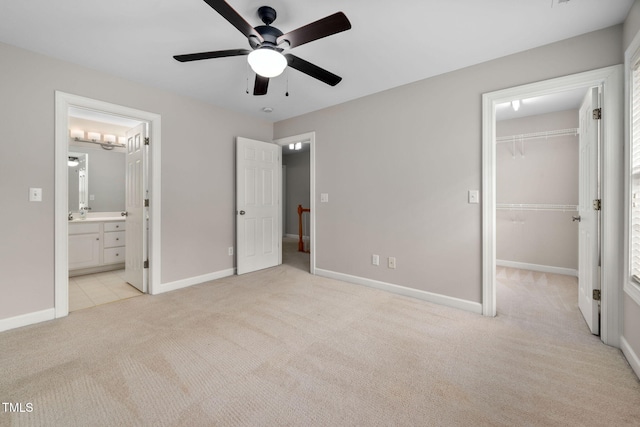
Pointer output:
x,y
268,43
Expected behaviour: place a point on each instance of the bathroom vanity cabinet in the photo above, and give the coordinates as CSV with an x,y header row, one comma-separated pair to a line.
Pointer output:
x,y
96,246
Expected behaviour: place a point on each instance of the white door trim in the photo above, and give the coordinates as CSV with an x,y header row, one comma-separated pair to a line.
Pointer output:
x,y
61,140
612,184
311,137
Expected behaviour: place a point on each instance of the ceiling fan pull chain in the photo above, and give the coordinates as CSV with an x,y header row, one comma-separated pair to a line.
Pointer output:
x,y
247,74
287,93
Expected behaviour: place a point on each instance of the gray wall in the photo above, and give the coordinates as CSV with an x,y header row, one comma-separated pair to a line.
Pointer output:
x,y
631,330
297,185
398,164
546,174
197,194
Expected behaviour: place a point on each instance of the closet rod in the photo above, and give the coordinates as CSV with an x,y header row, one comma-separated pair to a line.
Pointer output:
x,y
538,135
536,207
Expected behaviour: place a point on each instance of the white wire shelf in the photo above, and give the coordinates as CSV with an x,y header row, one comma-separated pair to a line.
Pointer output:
x,y
538,135
536,207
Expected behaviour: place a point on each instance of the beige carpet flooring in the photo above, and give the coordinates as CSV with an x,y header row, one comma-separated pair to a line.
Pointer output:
x,y
282,348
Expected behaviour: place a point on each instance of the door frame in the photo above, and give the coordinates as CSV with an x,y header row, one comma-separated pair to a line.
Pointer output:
x,y
61,228
311,137
612,163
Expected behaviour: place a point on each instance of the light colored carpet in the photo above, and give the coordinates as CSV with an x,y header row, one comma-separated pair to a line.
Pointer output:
x,y
281,347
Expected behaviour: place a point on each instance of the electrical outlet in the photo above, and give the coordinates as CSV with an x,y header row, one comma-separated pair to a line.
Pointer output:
x,y
230,250
375,259
392,262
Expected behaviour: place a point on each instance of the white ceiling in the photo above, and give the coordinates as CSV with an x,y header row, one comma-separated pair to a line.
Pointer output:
x,y
390,44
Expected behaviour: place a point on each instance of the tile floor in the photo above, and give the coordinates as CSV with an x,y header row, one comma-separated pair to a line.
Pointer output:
x,y
99,288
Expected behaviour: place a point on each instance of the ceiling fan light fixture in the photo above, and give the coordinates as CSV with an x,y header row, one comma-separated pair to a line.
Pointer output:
x,y
267,62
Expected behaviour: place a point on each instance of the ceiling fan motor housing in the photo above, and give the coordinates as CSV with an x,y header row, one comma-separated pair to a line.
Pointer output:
x,y
269,34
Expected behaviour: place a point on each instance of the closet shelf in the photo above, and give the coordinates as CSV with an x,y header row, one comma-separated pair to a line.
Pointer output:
x,y
536,207
538,135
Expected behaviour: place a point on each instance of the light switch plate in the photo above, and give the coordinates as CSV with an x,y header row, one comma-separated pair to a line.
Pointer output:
x,y
35,194
474,196
324,197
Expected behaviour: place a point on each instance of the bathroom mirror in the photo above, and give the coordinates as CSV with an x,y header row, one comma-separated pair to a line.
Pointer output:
x,y
101,187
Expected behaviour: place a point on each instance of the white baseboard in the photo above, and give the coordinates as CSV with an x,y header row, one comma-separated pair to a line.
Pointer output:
x,y
474,307
537,267
184,283
27,319
631,356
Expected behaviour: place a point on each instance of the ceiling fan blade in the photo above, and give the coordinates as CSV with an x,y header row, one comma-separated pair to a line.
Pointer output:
x,y
234,18
209,55
324,27
261,85
312,70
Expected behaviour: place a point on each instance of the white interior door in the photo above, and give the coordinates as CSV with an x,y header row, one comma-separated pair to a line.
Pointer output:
x,y
258,205
589,252
136,219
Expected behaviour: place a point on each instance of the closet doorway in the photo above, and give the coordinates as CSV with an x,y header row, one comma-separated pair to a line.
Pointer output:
x,y
148,217
609,81
543,168
299,152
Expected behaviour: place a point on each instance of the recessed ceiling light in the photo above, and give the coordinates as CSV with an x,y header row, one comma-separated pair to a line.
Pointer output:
x,y
268,109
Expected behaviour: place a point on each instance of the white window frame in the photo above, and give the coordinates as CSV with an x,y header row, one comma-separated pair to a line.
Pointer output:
x,y
632,57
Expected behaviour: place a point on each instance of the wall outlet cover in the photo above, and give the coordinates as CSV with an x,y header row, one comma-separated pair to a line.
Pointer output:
x,y
35,194
392,262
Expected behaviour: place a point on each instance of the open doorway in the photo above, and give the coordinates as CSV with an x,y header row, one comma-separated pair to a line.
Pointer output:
x,y
610,80
298,240
147,213
537,208
101,269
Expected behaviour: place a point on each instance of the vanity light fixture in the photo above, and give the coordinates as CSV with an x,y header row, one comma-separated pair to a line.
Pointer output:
x,y
73,162
108,142
94,136
77,134
296,146
515,104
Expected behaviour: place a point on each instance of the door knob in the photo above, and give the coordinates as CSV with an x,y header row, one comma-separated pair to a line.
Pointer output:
x,y
242,212
576,218
124,213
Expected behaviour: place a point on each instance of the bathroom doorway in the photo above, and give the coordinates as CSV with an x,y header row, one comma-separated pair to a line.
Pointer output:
x,y
106,229
101,269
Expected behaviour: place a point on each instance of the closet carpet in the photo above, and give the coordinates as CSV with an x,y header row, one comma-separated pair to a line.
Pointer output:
x,y
281,347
